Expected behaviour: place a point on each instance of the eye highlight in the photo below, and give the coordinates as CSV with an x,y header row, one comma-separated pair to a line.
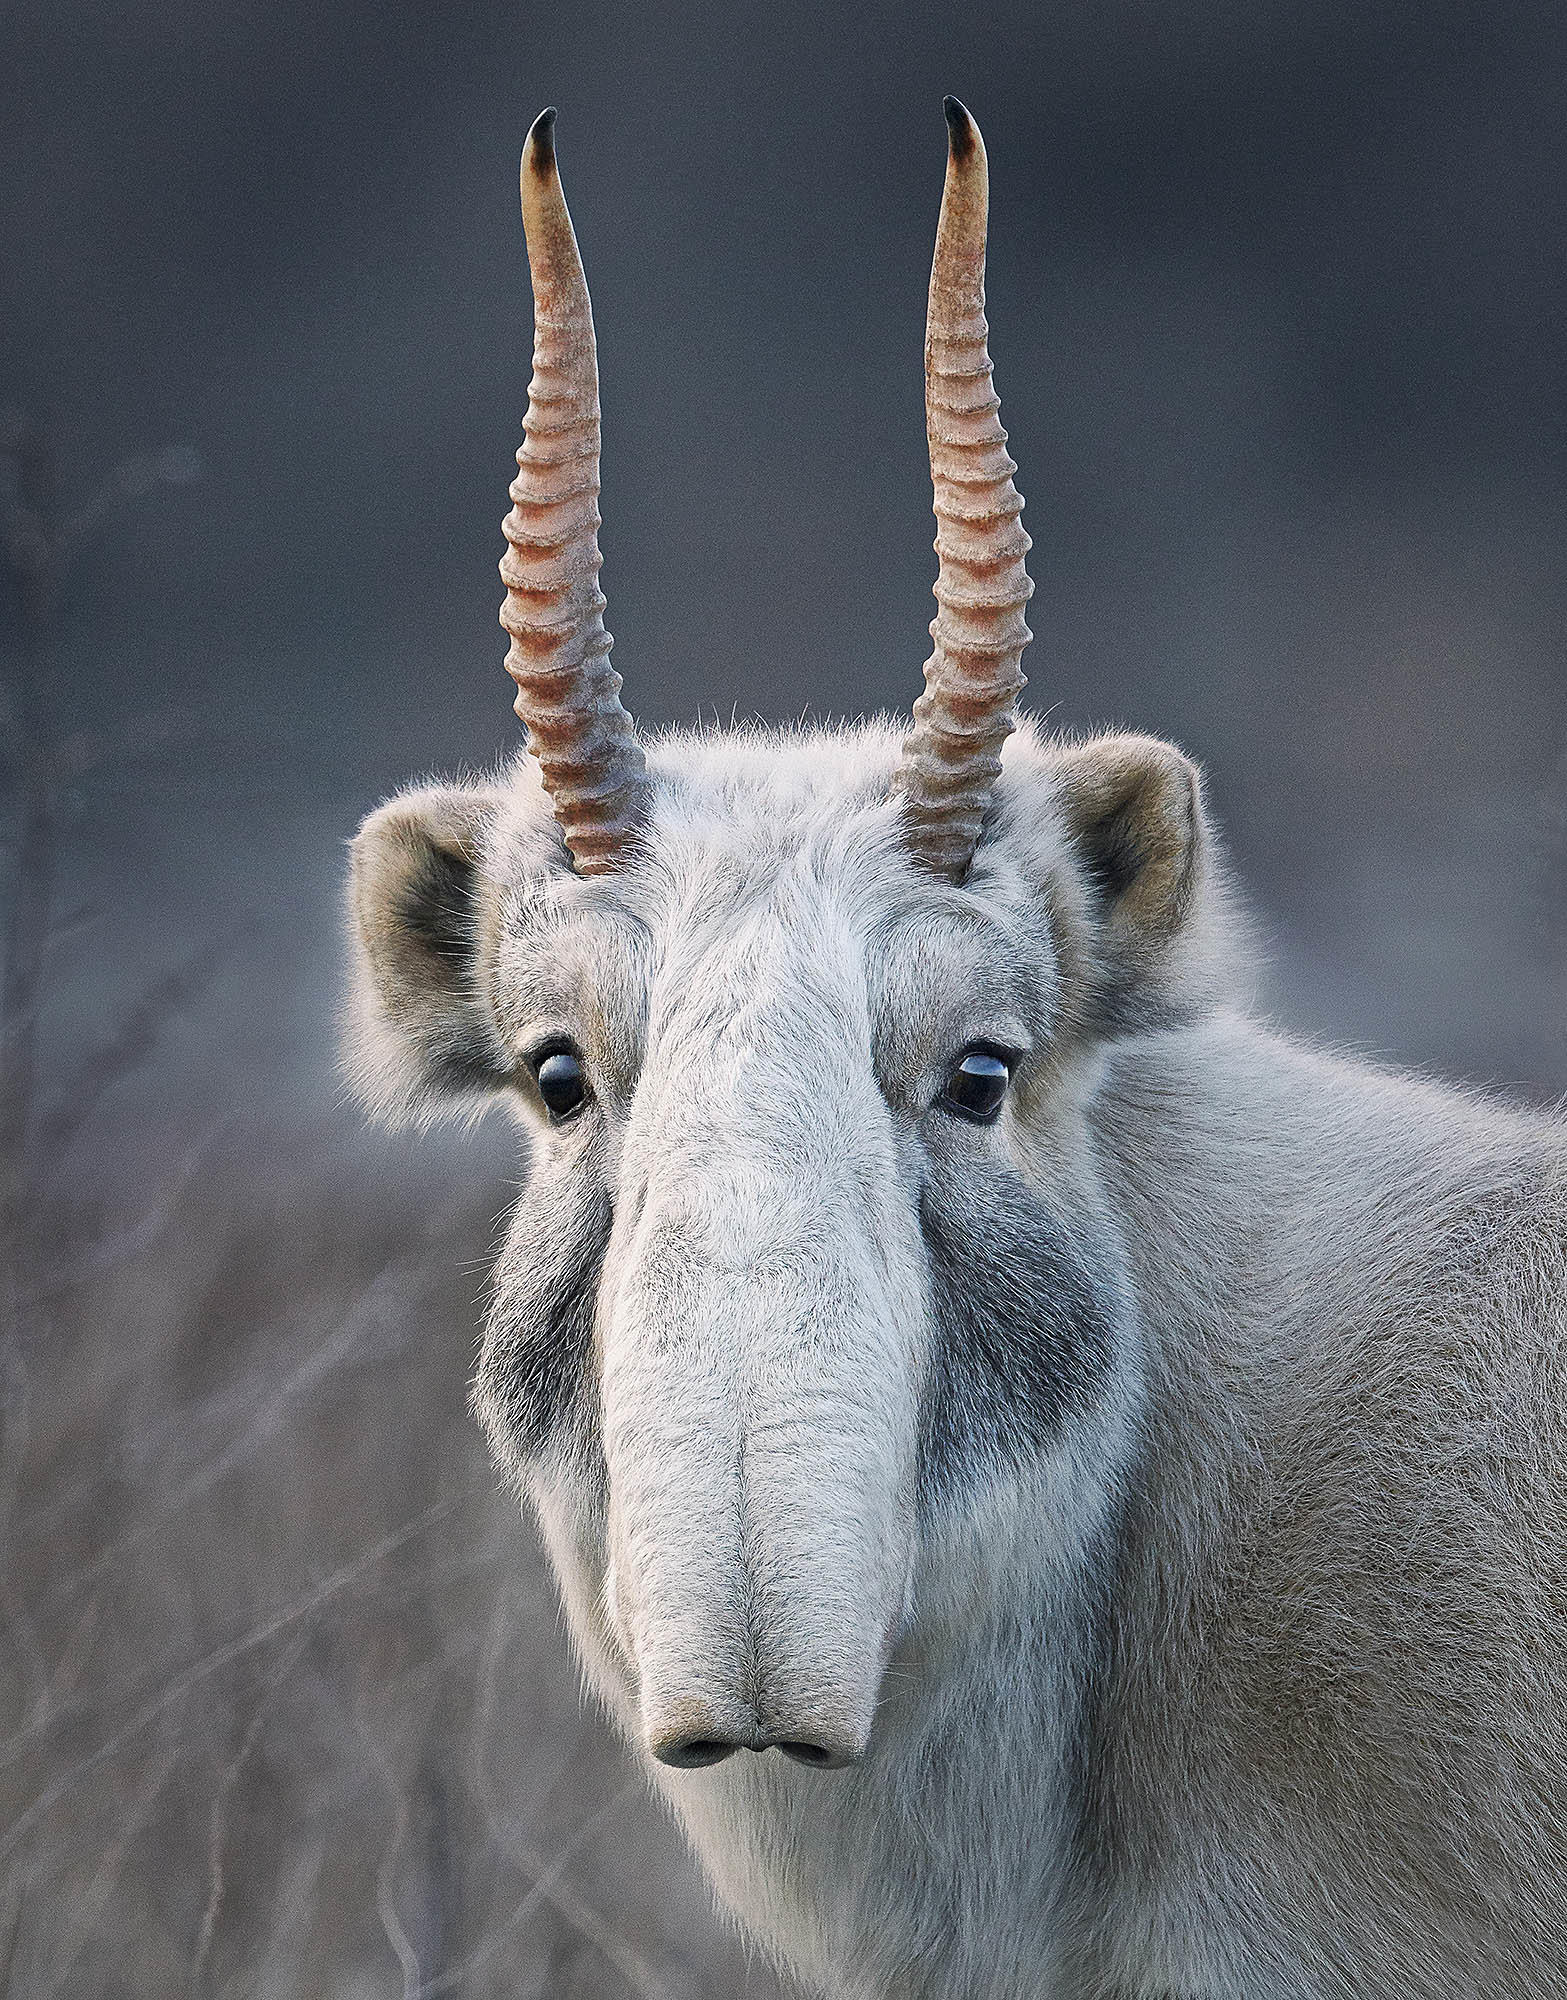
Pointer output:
x,y
562,1081
976,1086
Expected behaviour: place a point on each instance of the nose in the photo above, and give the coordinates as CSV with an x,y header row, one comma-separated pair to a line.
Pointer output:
x,y
710,1742
693,1753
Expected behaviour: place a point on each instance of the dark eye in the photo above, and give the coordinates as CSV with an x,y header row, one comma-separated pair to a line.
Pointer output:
x,y
976,1086
562,1082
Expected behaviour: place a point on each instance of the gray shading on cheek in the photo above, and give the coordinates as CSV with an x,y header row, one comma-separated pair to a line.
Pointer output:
x,y
1028,1318
534,1379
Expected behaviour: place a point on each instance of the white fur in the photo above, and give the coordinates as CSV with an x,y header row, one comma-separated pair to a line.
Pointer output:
x,y
1251,1686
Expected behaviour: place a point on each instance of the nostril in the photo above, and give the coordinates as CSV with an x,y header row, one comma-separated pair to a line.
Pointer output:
x,y
692,1753
815,1754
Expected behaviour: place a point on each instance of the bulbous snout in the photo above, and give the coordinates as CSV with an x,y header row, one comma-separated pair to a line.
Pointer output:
x,y
763,1347
760,1424
771,1633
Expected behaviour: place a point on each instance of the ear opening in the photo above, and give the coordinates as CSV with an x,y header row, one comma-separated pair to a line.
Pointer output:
x,y
1133,810
420,1035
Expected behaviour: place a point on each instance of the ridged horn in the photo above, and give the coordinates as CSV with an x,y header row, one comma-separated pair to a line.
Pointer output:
x,y
952,755
568,694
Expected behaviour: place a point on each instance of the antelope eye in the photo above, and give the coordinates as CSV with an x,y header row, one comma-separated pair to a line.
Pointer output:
x,y
977,1085
562,1082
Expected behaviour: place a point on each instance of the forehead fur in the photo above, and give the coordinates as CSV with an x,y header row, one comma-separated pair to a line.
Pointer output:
x,y
776,858
774,909
734,811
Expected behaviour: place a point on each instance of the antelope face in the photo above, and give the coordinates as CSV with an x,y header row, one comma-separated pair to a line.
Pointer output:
x,y
810,1253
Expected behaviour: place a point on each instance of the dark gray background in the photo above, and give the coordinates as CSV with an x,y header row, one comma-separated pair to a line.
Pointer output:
x,y
1276,294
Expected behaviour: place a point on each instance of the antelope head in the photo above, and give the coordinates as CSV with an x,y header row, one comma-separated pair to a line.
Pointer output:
x,y
811,1261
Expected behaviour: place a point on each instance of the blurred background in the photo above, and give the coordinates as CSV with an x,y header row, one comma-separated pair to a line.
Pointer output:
x,y
1277,299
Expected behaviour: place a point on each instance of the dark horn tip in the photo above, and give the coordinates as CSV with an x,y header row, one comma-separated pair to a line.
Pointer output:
x,y
541,139
960,128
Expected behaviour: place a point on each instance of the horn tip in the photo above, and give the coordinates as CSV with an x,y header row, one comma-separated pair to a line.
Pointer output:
x,y
961,129
540,153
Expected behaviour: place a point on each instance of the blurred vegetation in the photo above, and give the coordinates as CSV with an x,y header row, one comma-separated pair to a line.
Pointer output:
x,y
286,1705
285,1708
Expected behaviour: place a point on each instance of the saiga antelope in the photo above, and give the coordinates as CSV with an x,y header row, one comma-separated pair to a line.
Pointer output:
x,y
1061,1486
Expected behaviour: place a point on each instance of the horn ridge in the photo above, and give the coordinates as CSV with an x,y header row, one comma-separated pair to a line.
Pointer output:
x,y
568,694
952,756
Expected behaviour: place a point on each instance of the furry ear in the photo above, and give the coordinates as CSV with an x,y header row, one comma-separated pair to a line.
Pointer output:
x,y
1133,811
421,1036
